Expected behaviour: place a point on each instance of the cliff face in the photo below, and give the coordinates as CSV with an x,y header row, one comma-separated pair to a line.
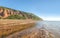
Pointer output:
x,y
5,12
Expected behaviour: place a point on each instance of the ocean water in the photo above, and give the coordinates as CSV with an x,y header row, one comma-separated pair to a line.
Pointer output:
x,y
51,26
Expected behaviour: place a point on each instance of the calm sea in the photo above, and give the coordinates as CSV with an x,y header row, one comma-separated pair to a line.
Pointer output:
x,y
51,26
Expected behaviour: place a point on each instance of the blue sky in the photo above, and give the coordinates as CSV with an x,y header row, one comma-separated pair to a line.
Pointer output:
x,y
46,9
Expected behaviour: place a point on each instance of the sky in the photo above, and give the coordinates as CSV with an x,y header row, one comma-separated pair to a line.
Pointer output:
x,y
46,9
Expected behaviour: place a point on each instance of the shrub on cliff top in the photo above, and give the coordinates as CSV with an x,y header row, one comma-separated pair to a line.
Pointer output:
x,y
15,17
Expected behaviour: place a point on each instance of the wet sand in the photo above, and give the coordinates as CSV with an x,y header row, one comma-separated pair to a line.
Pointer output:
x,y
8,27
32,33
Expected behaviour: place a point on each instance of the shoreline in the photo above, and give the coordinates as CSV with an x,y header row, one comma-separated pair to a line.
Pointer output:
x,y
15,22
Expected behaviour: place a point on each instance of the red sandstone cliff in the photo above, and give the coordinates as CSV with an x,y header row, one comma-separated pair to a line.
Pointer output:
x,y
5,12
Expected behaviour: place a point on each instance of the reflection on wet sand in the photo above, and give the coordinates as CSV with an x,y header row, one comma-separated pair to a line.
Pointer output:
x,y
32,33
38,31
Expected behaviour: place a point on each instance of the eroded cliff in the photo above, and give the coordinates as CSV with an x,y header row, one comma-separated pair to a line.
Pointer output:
x,y
5,12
